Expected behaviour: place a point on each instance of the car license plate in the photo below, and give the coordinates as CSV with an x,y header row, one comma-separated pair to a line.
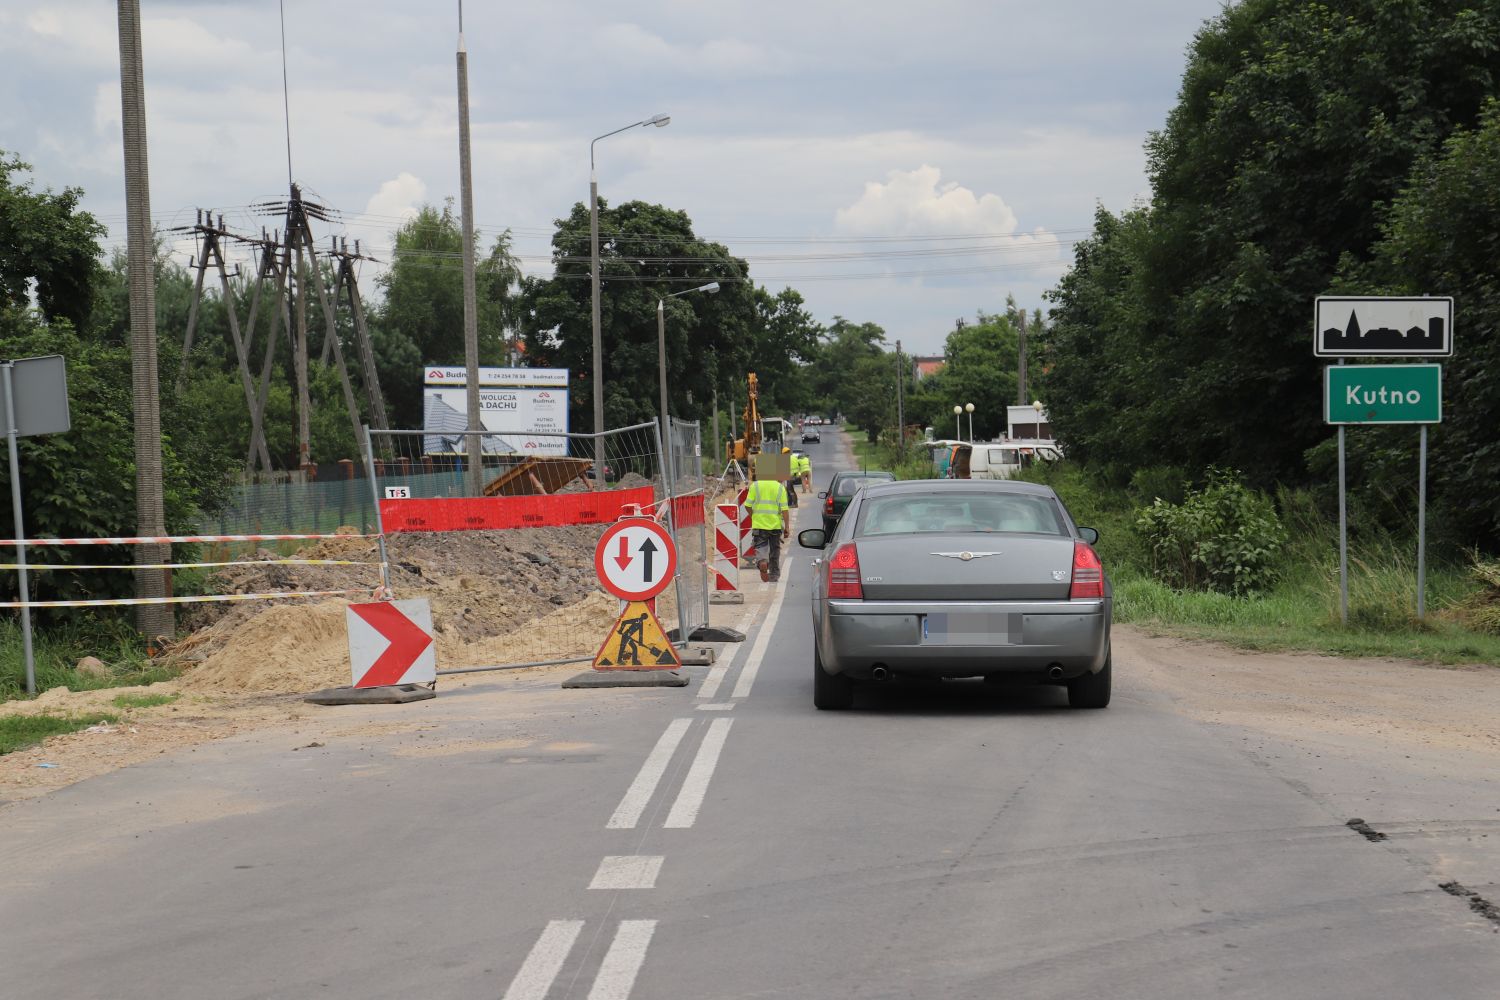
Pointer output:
x,y
966,628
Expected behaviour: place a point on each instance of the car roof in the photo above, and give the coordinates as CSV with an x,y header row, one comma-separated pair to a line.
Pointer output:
x,y
958,486
865,473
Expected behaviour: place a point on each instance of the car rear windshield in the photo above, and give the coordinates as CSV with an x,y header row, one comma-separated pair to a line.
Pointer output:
x,y
936,512
847,486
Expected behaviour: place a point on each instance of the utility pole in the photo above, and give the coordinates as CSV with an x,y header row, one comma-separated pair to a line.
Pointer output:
x,y
1021,358
900,405
474,449
150,517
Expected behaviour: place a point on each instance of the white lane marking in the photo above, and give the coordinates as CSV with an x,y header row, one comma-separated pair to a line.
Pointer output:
x,y
622,963
716,675
762,639
720,706
631,871
545,961
695,786
628,813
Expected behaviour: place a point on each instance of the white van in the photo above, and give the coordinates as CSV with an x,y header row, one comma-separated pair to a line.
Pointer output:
x,y
1003,459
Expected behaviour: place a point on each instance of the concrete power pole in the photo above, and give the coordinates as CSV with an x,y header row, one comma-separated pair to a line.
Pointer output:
x,y
474,448
900,405
152,619
1021,358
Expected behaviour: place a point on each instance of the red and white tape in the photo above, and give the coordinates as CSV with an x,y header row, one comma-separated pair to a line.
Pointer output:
x,y
199,565
173,539
201,599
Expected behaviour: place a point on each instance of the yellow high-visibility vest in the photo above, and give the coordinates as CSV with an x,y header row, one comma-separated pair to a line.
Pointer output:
x,y
766,499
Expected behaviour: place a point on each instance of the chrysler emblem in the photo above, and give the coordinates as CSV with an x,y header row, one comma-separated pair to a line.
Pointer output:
x,y
965,556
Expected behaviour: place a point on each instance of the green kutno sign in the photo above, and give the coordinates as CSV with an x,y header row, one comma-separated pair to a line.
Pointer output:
x,y
1383,394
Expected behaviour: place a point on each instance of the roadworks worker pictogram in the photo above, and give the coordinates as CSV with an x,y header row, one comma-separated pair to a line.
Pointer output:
x,y
637,642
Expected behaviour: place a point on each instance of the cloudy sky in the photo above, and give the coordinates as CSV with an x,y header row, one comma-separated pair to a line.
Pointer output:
x,y
905,163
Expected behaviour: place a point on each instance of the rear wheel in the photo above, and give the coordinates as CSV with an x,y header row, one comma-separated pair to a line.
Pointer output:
x,y
1091,690
830,691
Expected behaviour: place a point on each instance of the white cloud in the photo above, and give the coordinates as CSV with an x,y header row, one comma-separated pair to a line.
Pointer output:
x,y
400,198
630,44
916,202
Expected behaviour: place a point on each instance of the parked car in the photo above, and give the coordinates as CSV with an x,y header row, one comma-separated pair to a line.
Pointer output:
x,y
811,433
843,487
978,578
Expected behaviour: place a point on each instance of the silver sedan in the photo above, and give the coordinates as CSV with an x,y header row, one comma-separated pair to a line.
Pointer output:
x,y
976,578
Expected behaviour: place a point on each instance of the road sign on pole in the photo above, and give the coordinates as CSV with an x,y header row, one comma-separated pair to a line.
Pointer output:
x,y
1382,326
390,642
635,559
1383,394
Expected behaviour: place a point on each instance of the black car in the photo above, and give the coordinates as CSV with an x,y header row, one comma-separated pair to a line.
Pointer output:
x,y
843,487
811,434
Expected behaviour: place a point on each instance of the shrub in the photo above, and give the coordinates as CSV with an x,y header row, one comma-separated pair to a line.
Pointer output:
x,y
1224,537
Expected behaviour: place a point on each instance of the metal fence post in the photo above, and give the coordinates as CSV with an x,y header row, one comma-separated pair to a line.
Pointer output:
x,y
385,563
7,369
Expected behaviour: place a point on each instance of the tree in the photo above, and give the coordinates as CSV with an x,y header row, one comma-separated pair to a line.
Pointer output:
x,y
1296,122
48,243
421,320
1442,237
646,252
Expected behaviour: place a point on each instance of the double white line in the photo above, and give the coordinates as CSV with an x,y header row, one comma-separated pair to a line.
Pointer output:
x,y
627,952
622,963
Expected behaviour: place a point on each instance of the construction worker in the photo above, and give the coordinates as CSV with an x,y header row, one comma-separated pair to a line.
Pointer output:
x,y
770,525
791,484
802,469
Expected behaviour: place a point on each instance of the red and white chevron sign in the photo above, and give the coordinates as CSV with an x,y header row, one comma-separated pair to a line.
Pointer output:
x,y
390,642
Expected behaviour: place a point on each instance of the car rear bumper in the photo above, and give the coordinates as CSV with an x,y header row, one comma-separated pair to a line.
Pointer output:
x,y
1029,637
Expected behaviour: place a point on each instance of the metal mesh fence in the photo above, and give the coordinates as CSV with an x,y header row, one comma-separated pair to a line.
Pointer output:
x,y
296,503
513,583
689,527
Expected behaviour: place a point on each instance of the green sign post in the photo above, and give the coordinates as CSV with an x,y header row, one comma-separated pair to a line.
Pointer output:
x,y
1383,394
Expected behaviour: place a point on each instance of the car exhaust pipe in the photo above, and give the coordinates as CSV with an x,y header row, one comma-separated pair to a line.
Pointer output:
x,y
1055,672
880,673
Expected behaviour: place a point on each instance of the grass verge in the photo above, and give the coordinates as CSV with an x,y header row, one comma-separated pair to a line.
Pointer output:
x,y
17,732
144,700
56,651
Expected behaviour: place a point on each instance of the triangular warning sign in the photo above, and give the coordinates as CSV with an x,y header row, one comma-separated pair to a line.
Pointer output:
x,y
637,642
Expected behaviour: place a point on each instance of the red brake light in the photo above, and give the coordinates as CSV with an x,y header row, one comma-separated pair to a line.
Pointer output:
x,y
1088,572
843,574
828,504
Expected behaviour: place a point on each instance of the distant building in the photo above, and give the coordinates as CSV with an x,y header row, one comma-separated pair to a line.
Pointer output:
x,y
1027,423
923,365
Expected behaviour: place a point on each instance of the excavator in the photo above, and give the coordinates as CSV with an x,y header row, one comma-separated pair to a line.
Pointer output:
x,y
740,449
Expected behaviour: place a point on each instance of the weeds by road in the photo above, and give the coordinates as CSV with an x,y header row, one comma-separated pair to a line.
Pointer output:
x,y
20,731
57,651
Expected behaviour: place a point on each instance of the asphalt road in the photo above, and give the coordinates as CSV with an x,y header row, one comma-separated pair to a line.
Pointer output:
x,y
727,840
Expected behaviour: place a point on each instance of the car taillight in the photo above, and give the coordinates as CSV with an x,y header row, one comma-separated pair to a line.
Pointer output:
x,y
1088,572
828,504
843,574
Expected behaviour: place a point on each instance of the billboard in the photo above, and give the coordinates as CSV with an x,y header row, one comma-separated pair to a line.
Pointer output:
x,y
517,403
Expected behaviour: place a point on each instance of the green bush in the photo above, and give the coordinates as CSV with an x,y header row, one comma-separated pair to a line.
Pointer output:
x,y
1223,537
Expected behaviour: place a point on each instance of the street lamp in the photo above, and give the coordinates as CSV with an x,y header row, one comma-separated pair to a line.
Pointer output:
x,y
1036,405
598,373
969,408
661,358
958,421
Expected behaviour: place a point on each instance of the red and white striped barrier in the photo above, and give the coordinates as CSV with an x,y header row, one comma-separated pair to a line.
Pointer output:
x,y
747,541
173,539
726,553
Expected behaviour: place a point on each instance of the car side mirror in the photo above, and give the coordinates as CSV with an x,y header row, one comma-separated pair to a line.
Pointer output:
x,y
1090,535
823,495
812,538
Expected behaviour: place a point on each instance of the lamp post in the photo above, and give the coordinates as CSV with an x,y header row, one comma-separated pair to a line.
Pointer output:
x,y
598,372
1036,405
969,409
661,368
958,421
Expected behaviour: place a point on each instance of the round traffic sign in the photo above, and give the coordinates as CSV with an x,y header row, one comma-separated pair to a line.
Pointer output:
x,y
635,559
